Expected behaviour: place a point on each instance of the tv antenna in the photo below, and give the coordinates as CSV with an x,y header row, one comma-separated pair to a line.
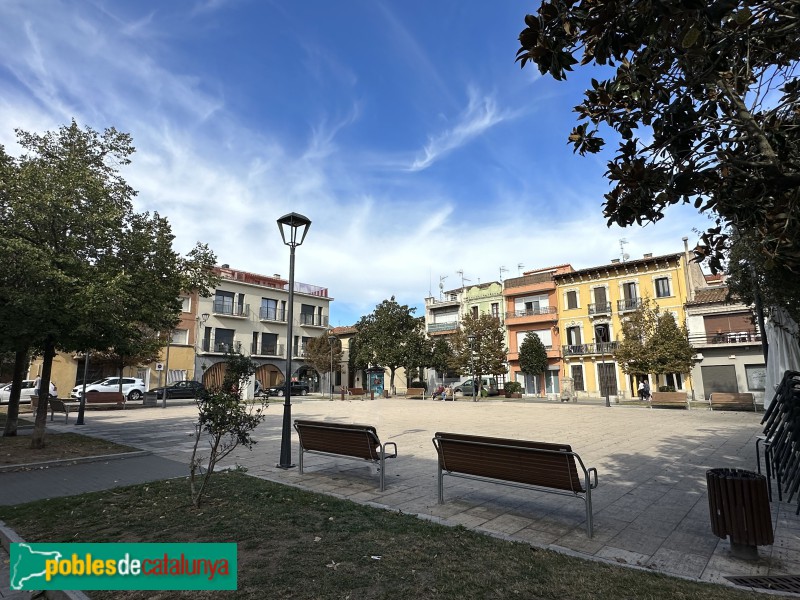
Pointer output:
x,y
502,270
622,243
460,272
441,285
520,266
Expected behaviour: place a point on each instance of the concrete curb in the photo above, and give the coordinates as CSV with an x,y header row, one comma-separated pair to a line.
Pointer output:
x,y
72,461
7,537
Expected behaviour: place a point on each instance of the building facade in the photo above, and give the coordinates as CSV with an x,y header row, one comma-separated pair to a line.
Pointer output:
x,y
729,354
531,306
591,305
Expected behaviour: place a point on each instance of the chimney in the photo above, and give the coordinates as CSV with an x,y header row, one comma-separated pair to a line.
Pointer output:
x,y
226,266
649,255
614,261
276,275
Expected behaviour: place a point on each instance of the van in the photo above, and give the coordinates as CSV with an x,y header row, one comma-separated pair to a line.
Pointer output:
x,y
488,383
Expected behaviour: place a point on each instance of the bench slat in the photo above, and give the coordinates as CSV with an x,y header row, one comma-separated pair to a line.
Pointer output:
x,y
733,401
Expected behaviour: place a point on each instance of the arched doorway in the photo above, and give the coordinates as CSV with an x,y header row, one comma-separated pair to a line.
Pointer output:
x,y
308,376
269,375
214,375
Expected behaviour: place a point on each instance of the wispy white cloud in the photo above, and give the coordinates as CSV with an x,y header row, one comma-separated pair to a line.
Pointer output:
x,y
480,115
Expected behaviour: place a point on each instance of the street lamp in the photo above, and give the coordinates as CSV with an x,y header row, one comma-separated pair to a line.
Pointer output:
x,y
471,340
201,320
600,339
294,228
331,337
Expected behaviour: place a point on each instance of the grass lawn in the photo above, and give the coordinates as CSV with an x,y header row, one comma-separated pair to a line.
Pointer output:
x,y
58,446
297,544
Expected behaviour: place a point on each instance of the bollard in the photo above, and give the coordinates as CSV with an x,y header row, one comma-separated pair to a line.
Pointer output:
x,y
372,394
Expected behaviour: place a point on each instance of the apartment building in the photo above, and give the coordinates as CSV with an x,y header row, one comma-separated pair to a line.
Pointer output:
x,y
729,353
592,303
248,312
531,306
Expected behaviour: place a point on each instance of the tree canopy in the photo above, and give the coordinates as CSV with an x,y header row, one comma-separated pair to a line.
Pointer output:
x,y
532,355
487,354
653,342
704,99
323,352
84,269
385,337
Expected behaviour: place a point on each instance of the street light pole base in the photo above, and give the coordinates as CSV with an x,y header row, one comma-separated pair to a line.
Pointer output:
x,y
284,467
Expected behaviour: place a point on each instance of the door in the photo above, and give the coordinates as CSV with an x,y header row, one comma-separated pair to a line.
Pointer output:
x,y
720,378
608,379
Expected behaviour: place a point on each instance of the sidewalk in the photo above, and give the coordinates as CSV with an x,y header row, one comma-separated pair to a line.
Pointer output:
x,y
650,509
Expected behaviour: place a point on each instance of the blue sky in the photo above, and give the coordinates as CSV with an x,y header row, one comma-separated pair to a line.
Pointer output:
x,y
404,130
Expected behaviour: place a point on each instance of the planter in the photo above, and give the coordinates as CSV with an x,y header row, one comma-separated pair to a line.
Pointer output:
x,y
513,395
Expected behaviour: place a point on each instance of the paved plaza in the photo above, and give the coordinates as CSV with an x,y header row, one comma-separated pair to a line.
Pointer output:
x,y
650,509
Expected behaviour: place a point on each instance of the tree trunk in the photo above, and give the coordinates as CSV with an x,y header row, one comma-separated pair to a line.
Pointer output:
x,y
12,418
37,439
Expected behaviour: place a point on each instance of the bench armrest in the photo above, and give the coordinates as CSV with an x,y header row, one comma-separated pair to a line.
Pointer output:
x,y
385,451
590,471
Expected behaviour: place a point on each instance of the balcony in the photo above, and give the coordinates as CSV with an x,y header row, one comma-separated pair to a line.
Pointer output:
x,y
278,350
313,320
533,315
271,314
442,327
214,346
629,304
600,308
725,338
542,281
226,309
589,349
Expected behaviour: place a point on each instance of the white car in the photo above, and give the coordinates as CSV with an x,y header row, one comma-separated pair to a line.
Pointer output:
x,y
132,388
24,395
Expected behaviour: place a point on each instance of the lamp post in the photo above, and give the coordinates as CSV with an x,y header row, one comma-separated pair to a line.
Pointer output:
x,y
294,228
471,340
331,337
599,338
201,320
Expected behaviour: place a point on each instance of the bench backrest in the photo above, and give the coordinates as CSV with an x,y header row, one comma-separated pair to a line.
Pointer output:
x,y
410,392
360,441
520,461
58,405
105,397
355,391
744,397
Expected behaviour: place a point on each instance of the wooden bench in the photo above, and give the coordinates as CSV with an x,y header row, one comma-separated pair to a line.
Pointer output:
x,y
518,463
340,439
669,399
60,406
355,391
731,401
107,398
415,393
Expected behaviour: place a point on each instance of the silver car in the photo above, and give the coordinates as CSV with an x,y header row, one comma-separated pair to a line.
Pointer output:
x,y
132,388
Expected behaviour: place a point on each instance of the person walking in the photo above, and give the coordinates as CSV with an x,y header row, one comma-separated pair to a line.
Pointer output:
x,y
641,391
646,391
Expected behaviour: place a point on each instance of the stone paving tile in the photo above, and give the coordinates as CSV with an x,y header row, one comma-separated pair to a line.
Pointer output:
x,y
690,542
622,556
680,563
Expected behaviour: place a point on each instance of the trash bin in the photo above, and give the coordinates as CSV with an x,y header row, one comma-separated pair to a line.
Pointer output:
x,y
150,399
738,504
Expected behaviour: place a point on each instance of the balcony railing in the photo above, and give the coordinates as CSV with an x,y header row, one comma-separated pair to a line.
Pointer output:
x,y
726,337
268,350
439,327
226,309
586,349
532,312
600,308
314,320
628,304
212,345
267,313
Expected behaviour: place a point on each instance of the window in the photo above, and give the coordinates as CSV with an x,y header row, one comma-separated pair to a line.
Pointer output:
x,y
186,304
180,337
574,336
223,340
756,374
496,310
572,299
577,378
662,287
223,302
269,310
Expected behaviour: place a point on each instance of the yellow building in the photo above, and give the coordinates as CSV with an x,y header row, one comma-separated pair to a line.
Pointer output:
x,y
592,304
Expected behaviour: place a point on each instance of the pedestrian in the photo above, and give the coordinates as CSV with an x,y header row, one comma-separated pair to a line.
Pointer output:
x,y
646,391
448,391
439,392
641,391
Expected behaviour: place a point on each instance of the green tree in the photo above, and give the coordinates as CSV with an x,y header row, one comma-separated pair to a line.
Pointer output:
x,y
442,355
383,337
324,351
703,97
532,356
225,419
87,272
672,352
419,352
634,352
487,353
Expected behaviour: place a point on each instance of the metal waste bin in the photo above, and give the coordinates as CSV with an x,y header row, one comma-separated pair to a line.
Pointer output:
x,y
150,399
738,504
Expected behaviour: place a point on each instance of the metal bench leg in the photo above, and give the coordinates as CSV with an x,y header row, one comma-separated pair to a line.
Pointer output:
x,y
383,468
588,502
440,477
300,458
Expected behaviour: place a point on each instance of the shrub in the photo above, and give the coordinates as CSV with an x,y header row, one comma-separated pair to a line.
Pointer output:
x,y
513,387
666,388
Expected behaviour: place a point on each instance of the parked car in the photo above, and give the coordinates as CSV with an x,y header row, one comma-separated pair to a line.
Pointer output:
x,y
24,395
180,389
298,389
489,384
132,388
